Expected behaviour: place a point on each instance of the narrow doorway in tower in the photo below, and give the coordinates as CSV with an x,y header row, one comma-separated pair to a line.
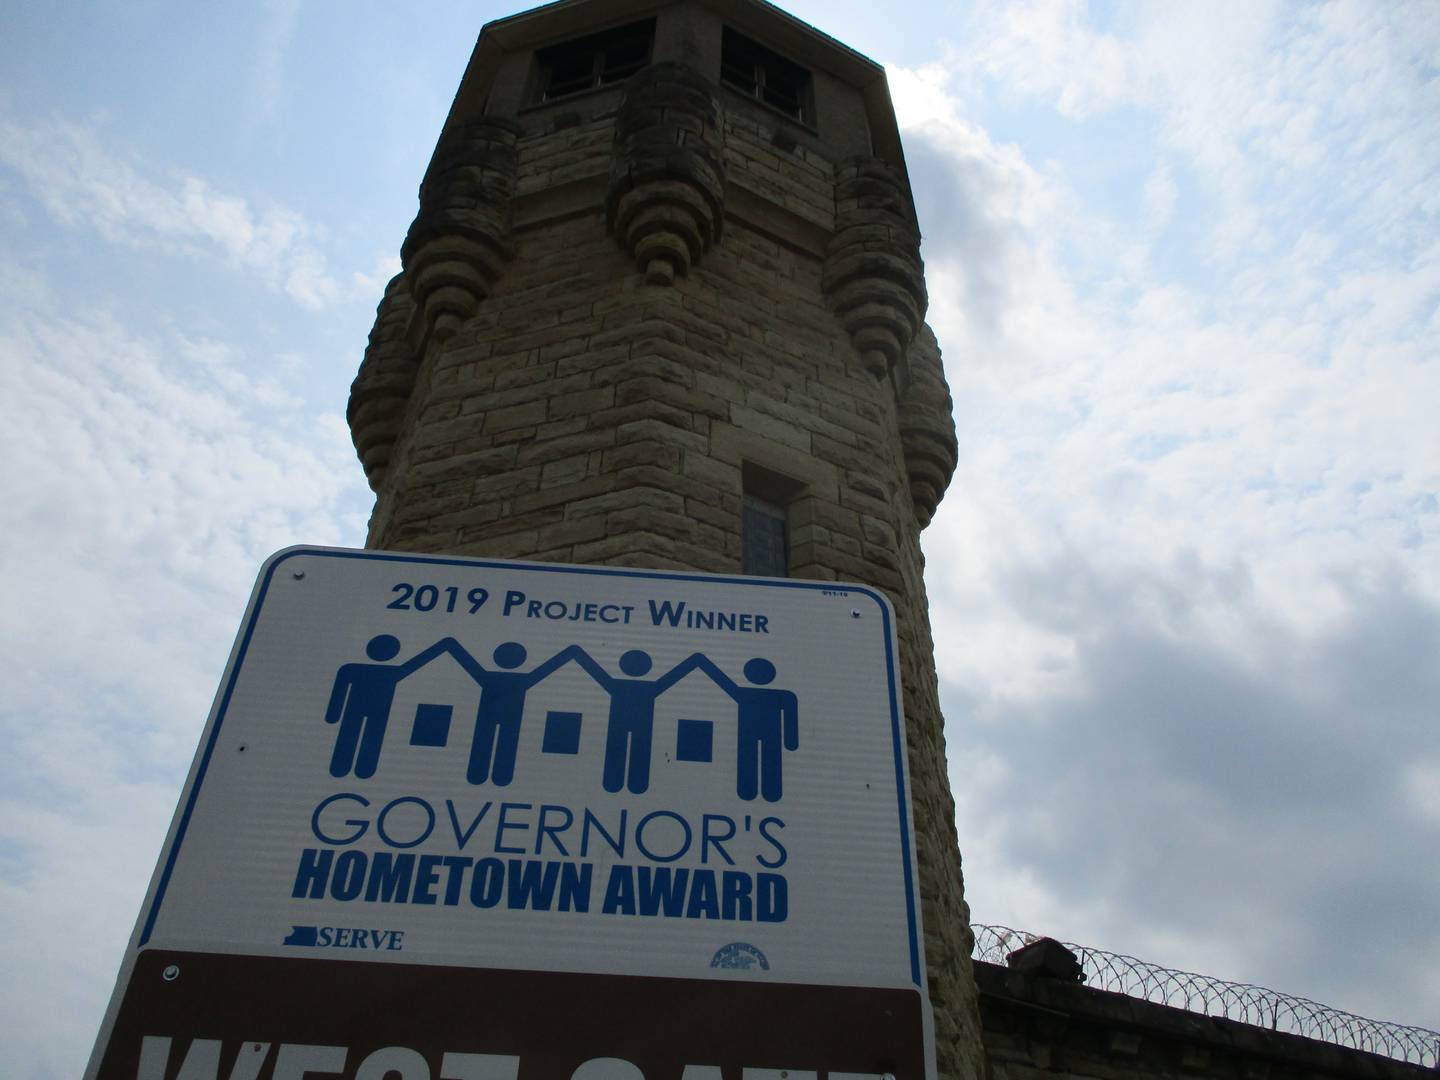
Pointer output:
x,y
764,521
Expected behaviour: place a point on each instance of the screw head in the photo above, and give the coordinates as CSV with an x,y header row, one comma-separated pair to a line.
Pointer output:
x,y
854,613
298,574
171,973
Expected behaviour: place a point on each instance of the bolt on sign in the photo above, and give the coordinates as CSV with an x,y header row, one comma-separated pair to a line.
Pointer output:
x,y
473,820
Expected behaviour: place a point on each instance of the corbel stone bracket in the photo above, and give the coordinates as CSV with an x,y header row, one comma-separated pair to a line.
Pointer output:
x,y
874,278
666,202
459,244
927,426
379,394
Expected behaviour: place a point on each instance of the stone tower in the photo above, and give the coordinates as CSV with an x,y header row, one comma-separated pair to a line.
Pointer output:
x,y
662,306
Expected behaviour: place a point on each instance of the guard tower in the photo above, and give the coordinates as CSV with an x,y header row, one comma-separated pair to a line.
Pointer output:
x,y
662,306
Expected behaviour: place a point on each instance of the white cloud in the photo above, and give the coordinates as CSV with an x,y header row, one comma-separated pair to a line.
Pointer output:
x,y
147,476
1159,198
1269,104
383,269
277,28
1044,47
921,95
1197,510
1210,787
81,183
1422,787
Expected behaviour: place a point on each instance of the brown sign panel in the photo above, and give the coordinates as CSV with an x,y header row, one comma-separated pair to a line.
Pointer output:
x,y
207,1015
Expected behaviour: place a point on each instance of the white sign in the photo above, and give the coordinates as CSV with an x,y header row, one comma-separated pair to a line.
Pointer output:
x,y
431,760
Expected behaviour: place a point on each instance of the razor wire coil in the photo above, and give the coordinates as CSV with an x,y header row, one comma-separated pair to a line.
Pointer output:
x,y
1241,1002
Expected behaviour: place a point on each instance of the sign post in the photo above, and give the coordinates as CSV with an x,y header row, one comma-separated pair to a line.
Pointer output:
x,y
455,819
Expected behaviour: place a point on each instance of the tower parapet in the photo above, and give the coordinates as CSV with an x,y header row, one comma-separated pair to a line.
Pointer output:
x,y
459,243
382,389
666,203
874,278
927,426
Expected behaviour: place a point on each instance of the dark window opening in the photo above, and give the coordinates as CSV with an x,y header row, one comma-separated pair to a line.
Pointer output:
x,y
764,540
764,521
765,76
598,60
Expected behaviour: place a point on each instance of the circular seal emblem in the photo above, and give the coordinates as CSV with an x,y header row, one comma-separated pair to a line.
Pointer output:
x,y
739,956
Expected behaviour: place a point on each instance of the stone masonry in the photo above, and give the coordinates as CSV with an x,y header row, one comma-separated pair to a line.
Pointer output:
x,y
619,306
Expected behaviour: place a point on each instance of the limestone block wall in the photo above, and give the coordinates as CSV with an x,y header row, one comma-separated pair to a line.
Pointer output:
x,y
793,177
591,410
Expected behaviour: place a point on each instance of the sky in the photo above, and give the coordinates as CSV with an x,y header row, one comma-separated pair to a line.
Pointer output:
x,y
1184,265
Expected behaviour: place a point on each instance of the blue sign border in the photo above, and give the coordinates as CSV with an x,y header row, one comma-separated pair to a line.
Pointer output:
x,y
274,562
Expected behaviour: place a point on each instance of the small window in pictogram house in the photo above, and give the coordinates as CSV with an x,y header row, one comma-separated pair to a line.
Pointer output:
x,y
755,71
594,61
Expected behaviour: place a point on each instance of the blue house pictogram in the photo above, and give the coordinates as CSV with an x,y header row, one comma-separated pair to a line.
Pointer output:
x,y
766,718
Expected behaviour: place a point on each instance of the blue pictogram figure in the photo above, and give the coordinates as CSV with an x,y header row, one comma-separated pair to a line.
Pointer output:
x,y
631,726
768,719
502,707
361,698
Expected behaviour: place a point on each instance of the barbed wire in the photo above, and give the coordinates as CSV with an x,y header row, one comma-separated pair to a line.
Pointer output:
x,y
1241,1002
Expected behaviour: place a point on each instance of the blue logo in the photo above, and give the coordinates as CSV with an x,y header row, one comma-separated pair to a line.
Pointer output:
x,y
301,935
739,956
362,695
